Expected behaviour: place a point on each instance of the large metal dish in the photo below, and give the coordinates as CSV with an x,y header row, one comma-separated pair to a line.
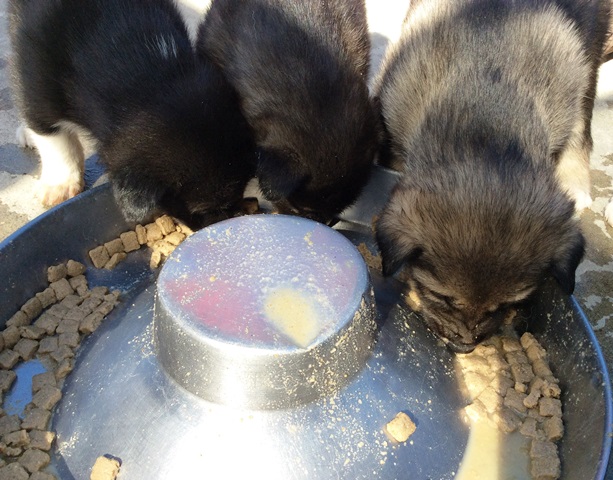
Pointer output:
x,y
119,400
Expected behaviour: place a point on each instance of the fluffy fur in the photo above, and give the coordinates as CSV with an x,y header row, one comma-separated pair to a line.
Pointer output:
x,y
167,124
487,107
301,70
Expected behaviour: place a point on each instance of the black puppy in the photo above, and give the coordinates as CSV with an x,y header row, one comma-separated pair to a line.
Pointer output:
x,y
301,71
167,125
487,107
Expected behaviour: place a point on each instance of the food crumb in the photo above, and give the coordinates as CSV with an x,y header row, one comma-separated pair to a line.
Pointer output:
x,y
105,468
401,427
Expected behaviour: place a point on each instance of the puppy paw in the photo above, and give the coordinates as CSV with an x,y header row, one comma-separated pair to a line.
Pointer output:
x,y
608,212
51,195
582,200
24,137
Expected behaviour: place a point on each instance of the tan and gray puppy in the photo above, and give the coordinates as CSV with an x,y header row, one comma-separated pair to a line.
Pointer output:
x,y
487,107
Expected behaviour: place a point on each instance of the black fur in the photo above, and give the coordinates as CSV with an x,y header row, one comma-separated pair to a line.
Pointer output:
x,y
301,70
486,103
167,124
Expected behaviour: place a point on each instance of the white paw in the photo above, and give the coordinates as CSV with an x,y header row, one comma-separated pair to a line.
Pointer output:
x,y
24,137
608,212
582,200
51,195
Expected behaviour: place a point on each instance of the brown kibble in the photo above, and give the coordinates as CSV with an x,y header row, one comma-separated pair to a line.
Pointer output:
x,y
13,451
99,256
521,387
551,389
18,320
41,439
47,297
550,407
553,428
48,322
175,238
546,468
105,308
130,241
48,344
156,259
63,352
42,476
11,336
74,268
141,234
56,272
42,380
70,302
8,424
90,323
154,232
13,471
47,397
7,377
78,281
36,419
114,246
71,339
543,448
476,410
19,438
510,344
32,332
522,372
515,400
62,289
26,348
530,428
69,324
105,469
401,427
99,291
33,460
164,247
491,399
166,224
517,357
184,229
64,368
8,359
32,308
115,260
507,420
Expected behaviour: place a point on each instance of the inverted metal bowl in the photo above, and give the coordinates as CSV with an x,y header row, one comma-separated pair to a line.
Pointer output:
x,y
121,400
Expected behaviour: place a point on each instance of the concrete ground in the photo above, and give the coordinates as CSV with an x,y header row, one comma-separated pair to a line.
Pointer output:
x,y
19,168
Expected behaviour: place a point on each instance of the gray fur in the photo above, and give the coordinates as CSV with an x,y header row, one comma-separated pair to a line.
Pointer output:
x,y
487,107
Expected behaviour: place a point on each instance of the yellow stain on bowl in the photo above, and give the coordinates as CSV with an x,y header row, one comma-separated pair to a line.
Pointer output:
x,y
294,315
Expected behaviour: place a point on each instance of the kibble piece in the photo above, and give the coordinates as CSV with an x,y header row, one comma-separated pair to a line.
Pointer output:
x,y
70,324
41,439
114,246
105,307
62,289
497,363
543,448
476,410
48,344
401,427
541,368
42,380
26,348
47,397
517,357
156,259
184,229
491,399
13,451
32,332
8,359
530,428
475,383
141,234
14,471
18,320
8,424
551,389
550,407
115,260
167,226
33,460
7,377
11,336
63,352
74,268
19,438
78,281
545,468
154,232
70,339
510,344
36,419
522,372
48,322
90,323
92,302
515,400
506,420
99,256
130,241
56,272
32,308
42,476
47,297
99,291
175,238
164,247
64,368
553,428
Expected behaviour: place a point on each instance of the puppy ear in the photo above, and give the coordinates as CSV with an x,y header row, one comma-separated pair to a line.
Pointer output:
x,y
395,250
564,266
136,195
278,173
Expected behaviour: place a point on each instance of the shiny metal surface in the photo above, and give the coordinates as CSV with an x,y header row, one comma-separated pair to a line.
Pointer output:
x,y
264,311
120,401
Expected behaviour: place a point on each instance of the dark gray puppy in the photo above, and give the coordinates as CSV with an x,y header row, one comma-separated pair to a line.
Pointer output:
x,y
487,107
300,69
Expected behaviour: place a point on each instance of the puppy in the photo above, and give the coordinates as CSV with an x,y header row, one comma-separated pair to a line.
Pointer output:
x,y
167,125
487,107
300,69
